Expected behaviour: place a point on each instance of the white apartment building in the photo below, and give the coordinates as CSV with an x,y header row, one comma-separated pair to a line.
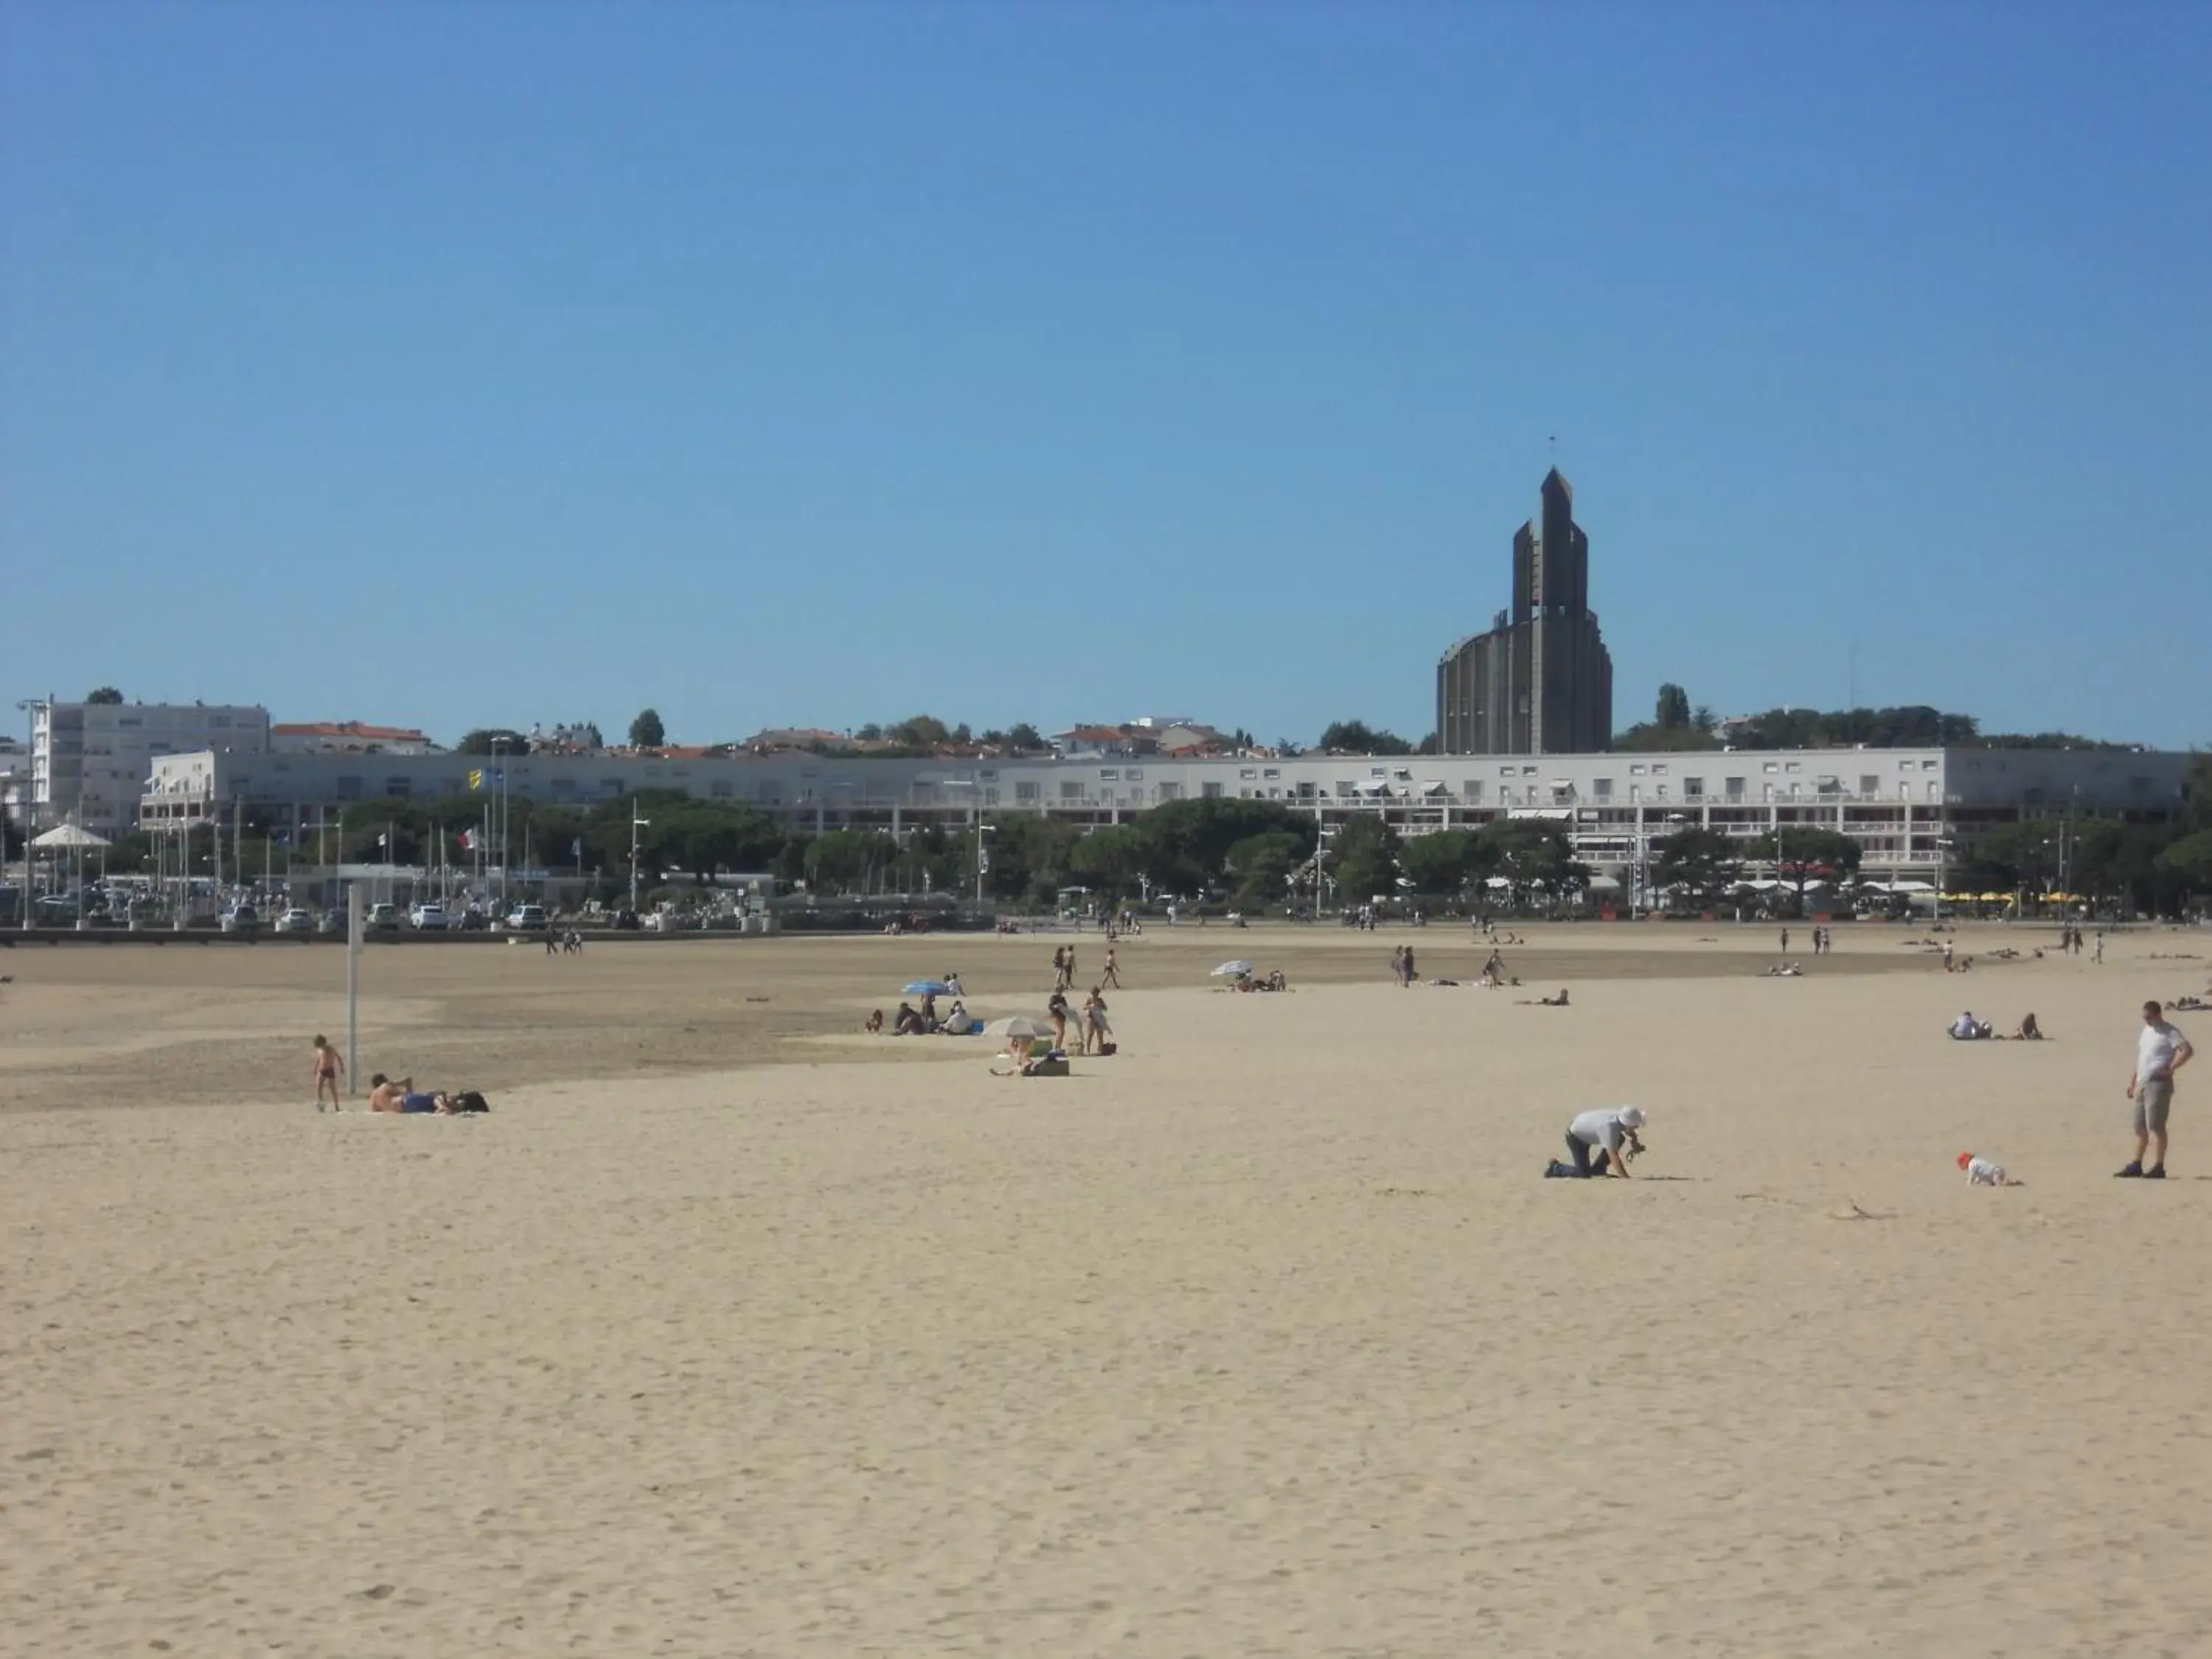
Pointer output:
x,y
90,761
1909,809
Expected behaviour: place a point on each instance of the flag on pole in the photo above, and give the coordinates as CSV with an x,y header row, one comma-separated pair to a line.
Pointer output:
x,y
469,839
576,847
476,777
383,841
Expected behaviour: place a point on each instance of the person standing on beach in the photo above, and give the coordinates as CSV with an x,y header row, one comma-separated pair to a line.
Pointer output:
x,y
2160,1051
328,1069
1112,976
2101,945
1785,941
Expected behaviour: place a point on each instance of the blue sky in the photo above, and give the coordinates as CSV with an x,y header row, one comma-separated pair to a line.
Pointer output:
x,y
452,364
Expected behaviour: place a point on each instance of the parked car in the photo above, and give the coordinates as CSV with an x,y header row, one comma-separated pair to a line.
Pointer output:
x,y
528,919
428,917
242,919
296,920
56,910
472,919
383,918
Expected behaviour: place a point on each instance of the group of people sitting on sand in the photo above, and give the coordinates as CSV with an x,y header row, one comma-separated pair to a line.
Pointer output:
x,y
924,1021
1968,1028
388,1094
1273,982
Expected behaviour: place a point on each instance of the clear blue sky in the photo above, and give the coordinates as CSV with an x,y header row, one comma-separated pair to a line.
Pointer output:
x,y
444,364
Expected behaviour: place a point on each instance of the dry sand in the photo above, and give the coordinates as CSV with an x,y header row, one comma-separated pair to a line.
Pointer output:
x,y
723,1336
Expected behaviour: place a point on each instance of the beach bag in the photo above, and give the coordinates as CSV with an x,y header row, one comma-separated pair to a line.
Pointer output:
x,y
1050,1066
1108,1047
470,1101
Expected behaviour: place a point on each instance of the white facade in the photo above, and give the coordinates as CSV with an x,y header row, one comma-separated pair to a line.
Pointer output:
x,y
1899,803
347,736
90,761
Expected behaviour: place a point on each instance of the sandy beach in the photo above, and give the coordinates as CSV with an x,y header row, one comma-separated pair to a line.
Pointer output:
x,y
733,1332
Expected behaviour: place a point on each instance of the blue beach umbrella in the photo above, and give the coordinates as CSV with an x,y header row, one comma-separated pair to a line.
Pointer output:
x,y
926,988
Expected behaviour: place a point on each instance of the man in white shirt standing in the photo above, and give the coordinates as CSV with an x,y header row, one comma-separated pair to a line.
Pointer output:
x,y
1610,1132
2160,1051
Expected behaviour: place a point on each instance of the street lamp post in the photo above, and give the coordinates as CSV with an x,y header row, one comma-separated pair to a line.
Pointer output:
x,y
27,792
637,823
1942,845
499,747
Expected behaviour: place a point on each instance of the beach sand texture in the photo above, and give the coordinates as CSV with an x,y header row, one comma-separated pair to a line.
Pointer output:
x,y
1262,1337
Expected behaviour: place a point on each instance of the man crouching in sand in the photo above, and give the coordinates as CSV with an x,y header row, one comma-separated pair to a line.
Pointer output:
x,y
1610,1132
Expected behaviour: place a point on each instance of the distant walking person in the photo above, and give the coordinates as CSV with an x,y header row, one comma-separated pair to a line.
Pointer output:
x,y
1785,941
2160,1051
1112,975
2101,945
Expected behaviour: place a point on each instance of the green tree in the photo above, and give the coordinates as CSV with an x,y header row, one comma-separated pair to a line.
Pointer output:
x,y
646,732
1023,738
1535,855
1700,862
1260,868
493,740
1810,852
922,732
2021,854
101,694
2190,858
1447,862
1363,859
1028,856
1357,738
1186,843
1109,859
1674,713
705,837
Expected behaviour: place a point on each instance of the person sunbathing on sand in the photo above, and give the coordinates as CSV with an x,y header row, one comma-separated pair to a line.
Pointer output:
x,y
1559,1001
389,1095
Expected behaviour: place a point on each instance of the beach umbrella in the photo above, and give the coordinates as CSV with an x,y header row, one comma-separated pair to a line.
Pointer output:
x,y
926,988
1239,968
1018,1025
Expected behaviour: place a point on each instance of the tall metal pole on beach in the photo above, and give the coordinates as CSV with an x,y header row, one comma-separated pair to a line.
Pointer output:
x,y
355,928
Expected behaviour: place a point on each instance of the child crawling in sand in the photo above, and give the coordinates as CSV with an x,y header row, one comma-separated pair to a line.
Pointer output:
x,y
1980,1172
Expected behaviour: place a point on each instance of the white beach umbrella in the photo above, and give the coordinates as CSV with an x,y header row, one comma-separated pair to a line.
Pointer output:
x,y
1239,968
1018,1025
